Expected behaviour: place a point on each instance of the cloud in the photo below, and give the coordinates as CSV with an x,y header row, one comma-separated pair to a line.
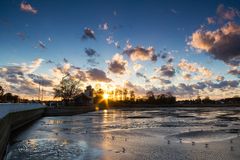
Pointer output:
x,y
223,84
166,70
140,53
110,40
173,11
65,60
163,81
117,65
136,88
21,35
15,77
219,78
104,26
199,85
97,75
235,72
41,44
44,81
90,52
187,76
137,67
226,14
183,90
222,44
26,7
68,69
195,68
88,34
92,61
211,20
138,74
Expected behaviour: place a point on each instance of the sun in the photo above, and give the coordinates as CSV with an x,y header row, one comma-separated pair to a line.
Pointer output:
x,y
105,96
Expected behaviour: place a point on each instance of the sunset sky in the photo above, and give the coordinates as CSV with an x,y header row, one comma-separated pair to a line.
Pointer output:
x,y
188,48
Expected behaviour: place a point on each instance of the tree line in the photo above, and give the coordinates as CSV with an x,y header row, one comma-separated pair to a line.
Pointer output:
x,y
8,97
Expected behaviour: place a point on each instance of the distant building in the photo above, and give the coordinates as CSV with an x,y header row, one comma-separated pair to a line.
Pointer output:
x,y
85,98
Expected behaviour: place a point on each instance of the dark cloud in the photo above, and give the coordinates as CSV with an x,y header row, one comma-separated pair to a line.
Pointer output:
x,y
136,88
166,70
97,75
138,74
163,81
65,60
187,76
140,53
222,44
50,62
41,80
199,85
170,60
117,65
90,52
92,62
41,44
234,72
88,34
223,84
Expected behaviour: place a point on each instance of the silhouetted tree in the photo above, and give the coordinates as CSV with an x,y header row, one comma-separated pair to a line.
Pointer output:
x,y
8,97
198,100
125,92
132,96
67,89
207,100
1,93
150,96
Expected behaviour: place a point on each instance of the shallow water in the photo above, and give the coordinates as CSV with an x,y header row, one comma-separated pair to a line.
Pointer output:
x,y
165,133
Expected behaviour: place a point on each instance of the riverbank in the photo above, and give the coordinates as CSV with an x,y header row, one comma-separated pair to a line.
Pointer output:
x,y
13,119
15,116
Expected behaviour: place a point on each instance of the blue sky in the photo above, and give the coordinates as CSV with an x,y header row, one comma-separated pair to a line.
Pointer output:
x,y
167,26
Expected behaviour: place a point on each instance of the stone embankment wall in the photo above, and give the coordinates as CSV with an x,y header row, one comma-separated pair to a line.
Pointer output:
x,y
14,116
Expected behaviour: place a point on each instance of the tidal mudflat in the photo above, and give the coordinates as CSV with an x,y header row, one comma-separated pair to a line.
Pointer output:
x,y
163,133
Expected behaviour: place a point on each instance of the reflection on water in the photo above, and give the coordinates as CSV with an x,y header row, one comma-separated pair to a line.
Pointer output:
x,y
118,134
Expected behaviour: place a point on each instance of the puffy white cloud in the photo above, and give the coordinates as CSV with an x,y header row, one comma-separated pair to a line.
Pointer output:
x,y
104,26
222,44
117,65
27,7
140,53
201,72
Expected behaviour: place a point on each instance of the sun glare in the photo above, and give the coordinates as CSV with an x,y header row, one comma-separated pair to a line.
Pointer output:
x,y
105,96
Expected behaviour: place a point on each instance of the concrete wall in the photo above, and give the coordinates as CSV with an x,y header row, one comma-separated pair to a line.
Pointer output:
x,y
14,116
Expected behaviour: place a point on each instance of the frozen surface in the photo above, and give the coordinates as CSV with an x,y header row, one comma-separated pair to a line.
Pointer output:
x,y
164,133
6,108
